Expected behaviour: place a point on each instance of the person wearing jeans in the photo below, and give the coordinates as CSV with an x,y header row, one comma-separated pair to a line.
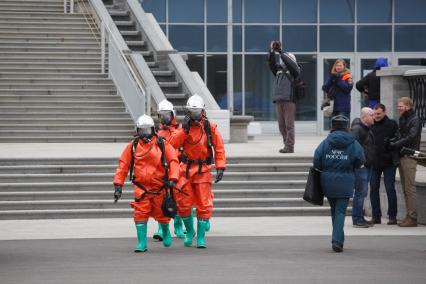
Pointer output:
x,y
336,157
389,180
361,130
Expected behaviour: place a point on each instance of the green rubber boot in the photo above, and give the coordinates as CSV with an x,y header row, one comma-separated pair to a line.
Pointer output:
x,y
159,234
201,232
141,232
189,225
167,237
178,224
208,226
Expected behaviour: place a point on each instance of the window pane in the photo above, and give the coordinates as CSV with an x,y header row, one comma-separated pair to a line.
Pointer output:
x,y
258,38
377,11
216,78
410,11
265,11
410,38
374,38
258,88
337,11
217,11
216,38
195,63
186,11
187,38
238,86
306,109
237,38
299,11
336,38
412,61
156,7
300,38
236,11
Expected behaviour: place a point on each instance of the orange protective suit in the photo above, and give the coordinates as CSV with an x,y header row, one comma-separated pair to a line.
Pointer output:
x,y
149,172
198,184
166,131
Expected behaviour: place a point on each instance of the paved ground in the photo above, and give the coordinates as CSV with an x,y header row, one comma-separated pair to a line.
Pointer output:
x,y
226,260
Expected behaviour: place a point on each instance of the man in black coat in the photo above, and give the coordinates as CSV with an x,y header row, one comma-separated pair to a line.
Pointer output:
x,y
369,85
385,161
410,130
361,129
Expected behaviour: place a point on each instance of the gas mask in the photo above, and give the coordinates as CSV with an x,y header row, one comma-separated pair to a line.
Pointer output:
x,y
196,114
165,117
145,133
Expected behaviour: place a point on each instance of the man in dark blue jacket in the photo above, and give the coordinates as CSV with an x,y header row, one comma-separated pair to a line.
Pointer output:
x,y
337,157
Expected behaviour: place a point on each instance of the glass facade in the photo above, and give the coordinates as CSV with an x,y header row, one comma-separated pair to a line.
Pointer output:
x,y
311,29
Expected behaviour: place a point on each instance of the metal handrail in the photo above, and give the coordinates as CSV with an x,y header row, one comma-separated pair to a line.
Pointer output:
x,y
107,33
89,19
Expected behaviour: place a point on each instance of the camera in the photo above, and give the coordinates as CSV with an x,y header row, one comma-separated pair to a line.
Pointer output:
x,y
276,45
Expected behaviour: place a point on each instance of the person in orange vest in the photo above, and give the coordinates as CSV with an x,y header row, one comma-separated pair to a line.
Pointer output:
x,y
154,168
199,139
168,125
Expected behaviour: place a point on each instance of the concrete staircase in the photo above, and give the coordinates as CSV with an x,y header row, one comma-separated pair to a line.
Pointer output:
x,y
166,77
51,86
82,188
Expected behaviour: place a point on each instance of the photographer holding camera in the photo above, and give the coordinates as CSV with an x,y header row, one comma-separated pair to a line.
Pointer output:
x,y
286,71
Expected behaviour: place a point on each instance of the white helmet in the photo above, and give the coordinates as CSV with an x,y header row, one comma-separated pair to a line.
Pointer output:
x,y
165,105
144,121
195,102
292,56
145,128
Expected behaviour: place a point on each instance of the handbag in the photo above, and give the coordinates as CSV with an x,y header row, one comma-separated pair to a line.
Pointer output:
x,y
313,190
168,206
328,109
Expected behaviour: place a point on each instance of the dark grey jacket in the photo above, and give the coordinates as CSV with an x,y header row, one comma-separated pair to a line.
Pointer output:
x,y
285,71
364,136
410,131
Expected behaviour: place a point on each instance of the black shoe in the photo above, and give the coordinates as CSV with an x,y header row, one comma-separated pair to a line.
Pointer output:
x,y
392,222
369,223
337,246
361,225
376,220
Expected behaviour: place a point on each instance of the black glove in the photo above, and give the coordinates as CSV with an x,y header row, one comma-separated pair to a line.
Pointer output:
x,y
334,77
219,175
117,192
186,124
407,151
171,183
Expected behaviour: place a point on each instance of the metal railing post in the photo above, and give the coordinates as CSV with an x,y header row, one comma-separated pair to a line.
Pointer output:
x,y
103,43
65,6
72,7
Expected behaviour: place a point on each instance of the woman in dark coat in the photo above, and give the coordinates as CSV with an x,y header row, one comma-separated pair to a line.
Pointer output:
x,y
338,88
337,157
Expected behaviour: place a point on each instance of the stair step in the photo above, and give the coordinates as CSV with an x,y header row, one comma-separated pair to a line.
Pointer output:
x,y
66,139
68,103
60,98
136,43
33,86
176,96
36,28
124,23
29,48
169,84
121,13
68,126
19,39
43,34
56,121
42,24
12,75
34,44
130,33
59,14
49,70
50,65
54,133
65,81
46,92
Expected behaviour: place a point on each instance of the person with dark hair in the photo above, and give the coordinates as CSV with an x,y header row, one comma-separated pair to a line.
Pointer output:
x,y
361,129
286,70
369,85
336,157
384,161
338,87
410,131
